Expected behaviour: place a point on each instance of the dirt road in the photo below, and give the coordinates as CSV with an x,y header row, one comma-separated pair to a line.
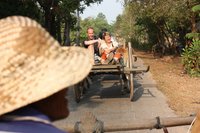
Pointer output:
x,y
105,101
181,90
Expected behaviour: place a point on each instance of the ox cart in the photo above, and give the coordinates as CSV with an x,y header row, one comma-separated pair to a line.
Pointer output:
x,y
125,70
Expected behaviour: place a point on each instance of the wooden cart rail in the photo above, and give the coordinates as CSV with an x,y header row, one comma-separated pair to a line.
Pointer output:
x,y
102,66
118,69
154,123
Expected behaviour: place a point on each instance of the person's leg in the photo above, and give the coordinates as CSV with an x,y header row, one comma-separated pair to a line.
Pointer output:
x,y
110,57
117,56
91,50
103,58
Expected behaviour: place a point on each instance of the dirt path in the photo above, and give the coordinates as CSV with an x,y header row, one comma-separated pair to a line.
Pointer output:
x,y
105,101
182,91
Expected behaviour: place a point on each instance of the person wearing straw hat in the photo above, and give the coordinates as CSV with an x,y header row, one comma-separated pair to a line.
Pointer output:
x,y
35,72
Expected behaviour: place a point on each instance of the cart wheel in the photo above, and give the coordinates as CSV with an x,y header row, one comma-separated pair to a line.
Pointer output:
x,y
77,92
126,84
86,85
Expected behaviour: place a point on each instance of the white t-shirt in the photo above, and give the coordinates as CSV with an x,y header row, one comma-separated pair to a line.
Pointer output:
x,y
105,46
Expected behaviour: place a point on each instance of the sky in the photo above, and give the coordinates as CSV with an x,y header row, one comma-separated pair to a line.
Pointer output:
x,y
110,8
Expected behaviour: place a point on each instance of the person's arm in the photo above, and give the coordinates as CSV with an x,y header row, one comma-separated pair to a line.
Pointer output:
x,y
110,50
100,41
104,47
113,49
90,42
115,46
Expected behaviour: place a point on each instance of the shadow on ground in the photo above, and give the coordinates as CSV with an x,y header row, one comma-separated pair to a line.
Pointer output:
x,y
108,87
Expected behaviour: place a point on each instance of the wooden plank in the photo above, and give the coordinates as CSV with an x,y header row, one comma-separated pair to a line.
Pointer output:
x,y
154,123
106,70
126,70
148,124
106,66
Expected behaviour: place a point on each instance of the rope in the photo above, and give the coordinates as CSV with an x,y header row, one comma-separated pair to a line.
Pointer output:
x,y
158,124
191,125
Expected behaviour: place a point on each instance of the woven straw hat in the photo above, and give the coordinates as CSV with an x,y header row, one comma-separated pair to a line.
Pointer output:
x,y
33,65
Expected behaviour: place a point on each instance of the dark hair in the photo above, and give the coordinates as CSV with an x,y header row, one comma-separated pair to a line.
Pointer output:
x,y
106,34
104,30
101,33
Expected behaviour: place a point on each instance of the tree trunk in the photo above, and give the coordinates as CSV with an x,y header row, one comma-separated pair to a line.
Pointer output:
x,y
67,33
172,42
53,26
58,29
49,18
47,23
194,29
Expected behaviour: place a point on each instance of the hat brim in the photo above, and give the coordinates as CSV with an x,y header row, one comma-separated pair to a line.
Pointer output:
x,y
34,65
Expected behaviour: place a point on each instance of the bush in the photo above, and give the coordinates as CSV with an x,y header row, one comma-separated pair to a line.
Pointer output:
x,y
141,46
191,59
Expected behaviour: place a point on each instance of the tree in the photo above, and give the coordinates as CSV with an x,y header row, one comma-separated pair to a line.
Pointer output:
x,y
19,7
101,16
157,21
97,23
50,13
190,56
68,8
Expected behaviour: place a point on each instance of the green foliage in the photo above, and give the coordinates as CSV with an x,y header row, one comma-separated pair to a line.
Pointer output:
x,y
156,21
196,8
191,58
192,35
148,22
191,54
97,23
54,15
19,7
150,28
140,46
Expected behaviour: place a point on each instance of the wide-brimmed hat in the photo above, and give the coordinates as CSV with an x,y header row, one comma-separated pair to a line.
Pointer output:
x,y
33,65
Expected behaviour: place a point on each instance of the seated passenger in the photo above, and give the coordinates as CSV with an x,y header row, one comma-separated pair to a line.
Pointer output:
x,y
92,44
108,50
101,36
